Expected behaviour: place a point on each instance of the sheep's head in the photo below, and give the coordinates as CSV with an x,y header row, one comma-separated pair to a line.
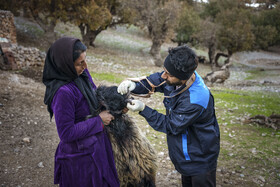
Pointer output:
x,y
111,100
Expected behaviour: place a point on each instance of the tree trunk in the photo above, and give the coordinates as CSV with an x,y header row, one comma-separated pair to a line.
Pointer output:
x,y
223,72
50,35
227,61
218,55
88,35
48,27
211,55
47,24
155,52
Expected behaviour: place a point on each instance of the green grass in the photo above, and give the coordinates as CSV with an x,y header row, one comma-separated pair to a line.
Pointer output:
x,y
260,73
253,74
110,77
255,148
247,102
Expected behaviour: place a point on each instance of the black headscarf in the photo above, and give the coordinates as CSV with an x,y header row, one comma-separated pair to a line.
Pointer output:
x,y
59,70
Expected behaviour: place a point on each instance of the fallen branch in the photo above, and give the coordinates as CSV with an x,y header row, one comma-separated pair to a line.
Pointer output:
x,y
273,121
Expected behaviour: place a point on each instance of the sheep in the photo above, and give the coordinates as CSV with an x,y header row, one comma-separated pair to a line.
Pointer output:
x,y
135,158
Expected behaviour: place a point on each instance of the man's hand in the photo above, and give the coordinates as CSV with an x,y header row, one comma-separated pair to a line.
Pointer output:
x,y
126,86
136,106
106,117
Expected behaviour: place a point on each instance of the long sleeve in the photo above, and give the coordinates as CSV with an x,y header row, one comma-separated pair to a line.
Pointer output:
x,y
155,79
174,123
64,108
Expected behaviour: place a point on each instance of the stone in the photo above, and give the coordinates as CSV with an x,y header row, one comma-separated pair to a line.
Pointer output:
x,y
40,165
27,139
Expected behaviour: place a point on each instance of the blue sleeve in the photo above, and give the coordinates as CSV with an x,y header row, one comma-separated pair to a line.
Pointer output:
x,y
155,79
63,106
174,123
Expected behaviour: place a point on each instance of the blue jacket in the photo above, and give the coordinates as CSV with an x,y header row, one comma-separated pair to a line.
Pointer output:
x,y
190,123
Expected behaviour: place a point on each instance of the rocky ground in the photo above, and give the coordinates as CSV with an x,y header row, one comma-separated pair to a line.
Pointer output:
x,y
28,138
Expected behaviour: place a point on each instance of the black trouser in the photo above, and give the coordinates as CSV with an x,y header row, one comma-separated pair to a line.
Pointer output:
x,y
203,180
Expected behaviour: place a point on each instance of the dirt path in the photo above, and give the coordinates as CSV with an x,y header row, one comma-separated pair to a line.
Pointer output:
x,y
28,138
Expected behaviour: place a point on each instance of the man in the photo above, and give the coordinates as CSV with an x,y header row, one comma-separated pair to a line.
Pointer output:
x,y
190,123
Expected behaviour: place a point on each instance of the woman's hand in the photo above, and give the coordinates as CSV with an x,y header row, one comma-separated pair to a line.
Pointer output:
x,y
106,117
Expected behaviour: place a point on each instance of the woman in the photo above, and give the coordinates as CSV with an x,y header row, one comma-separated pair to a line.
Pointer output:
x,y
84,155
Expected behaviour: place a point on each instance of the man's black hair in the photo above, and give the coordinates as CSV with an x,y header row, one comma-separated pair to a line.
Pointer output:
x,y
183,58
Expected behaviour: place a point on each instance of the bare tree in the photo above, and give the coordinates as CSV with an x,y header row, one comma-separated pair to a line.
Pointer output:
x,y
207,37
160,17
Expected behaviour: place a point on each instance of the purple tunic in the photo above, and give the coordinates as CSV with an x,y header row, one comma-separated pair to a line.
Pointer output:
x,y
84,156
